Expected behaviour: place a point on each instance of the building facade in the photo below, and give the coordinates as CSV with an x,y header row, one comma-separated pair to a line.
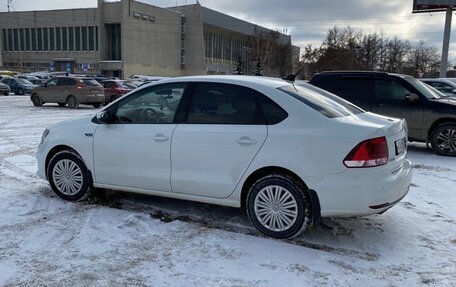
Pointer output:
x,y
128,37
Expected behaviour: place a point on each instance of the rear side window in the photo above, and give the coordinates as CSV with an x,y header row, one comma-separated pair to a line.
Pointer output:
x,y
354,87
90,82
272,112
66,82
215,103
326,103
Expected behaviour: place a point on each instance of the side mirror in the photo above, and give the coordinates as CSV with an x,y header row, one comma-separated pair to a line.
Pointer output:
x,y
104,117
43,85
412,98
454,91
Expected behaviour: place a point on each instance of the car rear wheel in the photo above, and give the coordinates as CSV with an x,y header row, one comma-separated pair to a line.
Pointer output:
x,y
36,100
443,139
68,176
278,206
72,102
20,91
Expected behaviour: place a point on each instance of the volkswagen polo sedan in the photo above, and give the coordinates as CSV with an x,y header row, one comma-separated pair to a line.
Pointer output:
x,y
287,154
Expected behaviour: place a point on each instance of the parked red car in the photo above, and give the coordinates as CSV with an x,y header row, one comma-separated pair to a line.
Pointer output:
x,y
114,89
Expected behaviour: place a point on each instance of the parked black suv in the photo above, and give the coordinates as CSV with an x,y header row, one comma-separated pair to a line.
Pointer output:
x,y
430,116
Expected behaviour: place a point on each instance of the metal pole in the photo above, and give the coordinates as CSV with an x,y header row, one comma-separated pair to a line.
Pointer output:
x,y
446,43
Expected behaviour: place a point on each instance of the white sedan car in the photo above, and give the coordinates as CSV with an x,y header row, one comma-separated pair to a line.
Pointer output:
x,y
287,154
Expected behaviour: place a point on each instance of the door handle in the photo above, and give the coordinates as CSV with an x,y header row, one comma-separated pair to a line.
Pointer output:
x,y
245,141
160,138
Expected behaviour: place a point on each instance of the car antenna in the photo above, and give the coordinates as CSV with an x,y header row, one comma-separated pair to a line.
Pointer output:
x,y
292,77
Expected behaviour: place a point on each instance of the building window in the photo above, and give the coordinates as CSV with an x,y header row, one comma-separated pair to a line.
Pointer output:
x,y
91,38
64,39
21,38
78,38
15,40
45,39
96,38
10,40
51,39
84,38
4,33
58,39
27,39
34,39
39,36
71,38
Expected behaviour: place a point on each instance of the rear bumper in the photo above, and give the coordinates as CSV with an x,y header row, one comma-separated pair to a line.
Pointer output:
x,y
358,192
92,99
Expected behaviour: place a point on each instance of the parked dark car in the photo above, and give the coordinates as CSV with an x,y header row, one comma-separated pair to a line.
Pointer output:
x,y
19,86
114,89
70,91
430,117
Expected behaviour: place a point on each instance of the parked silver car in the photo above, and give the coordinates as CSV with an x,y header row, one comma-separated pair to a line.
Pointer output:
x,y
4,89
446,86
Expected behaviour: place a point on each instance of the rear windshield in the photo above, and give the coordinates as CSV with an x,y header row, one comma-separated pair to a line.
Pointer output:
x,y
322,101
90,82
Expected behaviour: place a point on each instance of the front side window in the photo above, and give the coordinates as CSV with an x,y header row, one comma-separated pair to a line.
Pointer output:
x,y
52,83
153,105
390,89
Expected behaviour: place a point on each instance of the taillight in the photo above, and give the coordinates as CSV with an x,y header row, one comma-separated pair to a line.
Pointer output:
x,y
81,85
369,153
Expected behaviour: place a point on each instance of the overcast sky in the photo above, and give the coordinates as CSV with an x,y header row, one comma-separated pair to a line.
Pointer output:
x,y
307,21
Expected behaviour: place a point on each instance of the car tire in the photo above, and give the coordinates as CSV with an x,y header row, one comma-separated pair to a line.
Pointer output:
x,y
20,91
36,100
97,105
6,94
61,104
68,176
72,102
443,139
279,206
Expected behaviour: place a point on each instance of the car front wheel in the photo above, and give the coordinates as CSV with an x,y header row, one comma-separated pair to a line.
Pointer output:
x,y
68,176
278,206
443,139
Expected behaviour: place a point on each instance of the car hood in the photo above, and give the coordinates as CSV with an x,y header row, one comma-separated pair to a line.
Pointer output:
x,y
446,101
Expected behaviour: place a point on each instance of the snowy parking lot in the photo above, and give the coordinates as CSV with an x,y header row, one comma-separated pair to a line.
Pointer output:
x,y
133,240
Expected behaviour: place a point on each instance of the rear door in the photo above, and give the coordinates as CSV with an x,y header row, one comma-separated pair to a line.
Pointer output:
x,y
65,87
223,132
390,100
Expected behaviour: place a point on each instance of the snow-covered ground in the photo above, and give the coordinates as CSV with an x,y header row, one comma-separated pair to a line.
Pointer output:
x,y
133,240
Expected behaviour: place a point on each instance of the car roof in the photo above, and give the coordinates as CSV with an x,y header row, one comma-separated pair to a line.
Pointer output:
x,y
371,73
230,79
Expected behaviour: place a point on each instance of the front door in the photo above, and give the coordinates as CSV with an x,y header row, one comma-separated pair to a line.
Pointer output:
x,y
134,151
390,100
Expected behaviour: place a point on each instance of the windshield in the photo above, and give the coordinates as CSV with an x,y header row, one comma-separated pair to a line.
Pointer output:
x,y
322,101
23,81
423,88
